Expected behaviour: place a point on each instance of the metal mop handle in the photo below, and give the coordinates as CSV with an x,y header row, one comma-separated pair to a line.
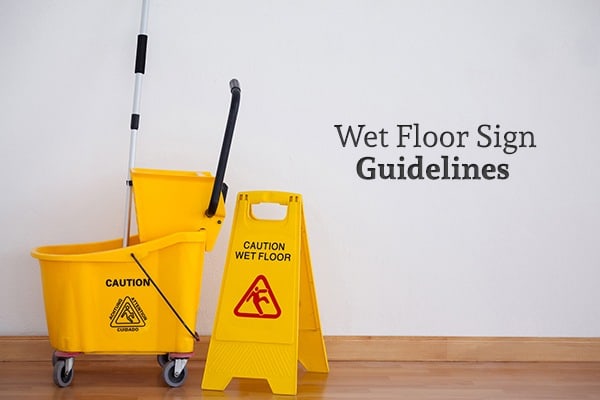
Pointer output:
x,y
220,174
140,68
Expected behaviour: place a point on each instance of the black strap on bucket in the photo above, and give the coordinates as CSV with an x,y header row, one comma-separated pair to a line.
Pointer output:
x,y
194,334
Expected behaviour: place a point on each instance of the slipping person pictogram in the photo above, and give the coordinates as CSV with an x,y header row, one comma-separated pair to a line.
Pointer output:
x,y
258,293
256,298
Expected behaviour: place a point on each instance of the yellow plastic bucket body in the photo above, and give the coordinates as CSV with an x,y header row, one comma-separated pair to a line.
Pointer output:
x,y
98,300
169,201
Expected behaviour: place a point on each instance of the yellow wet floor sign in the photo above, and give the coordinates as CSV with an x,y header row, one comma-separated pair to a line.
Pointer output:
x,y
267,317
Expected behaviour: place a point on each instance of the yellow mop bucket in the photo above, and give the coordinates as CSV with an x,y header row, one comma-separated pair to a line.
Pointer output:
x,y
139,295
104,298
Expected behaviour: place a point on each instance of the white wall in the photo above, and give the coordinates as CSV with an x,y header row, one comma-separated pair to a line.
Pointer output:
x,y
515,257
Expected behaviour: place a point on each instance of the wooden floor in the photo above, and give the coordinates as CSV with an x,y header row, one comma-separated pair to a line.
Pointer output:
x,y
142,379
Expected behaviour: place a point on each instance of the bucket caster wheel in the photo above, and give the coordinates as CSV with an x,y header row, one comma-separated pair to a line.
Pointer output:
x,y
163,359
175,372
63,371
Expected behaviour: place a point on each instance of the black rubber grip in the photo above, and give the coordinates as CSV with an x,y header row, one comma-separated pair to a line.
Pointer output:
x,y
135,121
234,84
140,55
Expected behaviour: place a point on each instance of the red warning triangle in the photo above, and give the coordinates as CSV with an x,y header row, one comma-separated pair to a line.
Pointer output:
x,y
258,301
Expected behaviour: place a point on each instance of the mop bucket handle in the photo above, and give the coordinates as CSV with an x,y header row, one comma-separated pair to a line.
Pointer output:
x,y
225,147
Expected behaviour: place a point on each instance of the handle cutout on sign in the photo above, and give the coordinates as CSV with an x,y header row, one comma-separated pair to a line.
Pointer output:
x,y
269,211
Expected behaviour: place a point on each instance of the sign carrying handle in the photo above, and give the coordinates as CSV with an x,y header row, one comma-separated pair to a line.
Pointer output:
x,y
291,201
218,186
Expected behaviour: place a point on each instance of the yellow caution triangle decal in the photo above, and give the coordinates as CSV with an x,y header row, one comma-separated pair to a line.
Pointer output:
x,y
127,315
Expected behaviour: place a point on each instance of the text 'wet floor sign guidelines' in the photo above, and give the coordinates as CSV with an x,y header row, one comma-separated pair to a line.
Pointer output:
x,y
267,318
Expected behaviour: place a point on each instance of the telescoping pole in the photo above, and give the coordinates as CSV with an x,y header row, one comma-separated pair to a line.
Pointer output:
x,y
140,68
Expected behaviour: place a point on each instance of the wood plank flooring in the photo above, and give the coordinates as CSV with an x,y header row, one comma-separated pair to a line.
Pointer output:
x,y
142,379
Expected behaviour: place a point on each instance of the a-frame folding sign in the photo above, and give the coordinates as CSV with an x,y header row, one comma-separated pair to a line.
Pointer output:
x,y
267,317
